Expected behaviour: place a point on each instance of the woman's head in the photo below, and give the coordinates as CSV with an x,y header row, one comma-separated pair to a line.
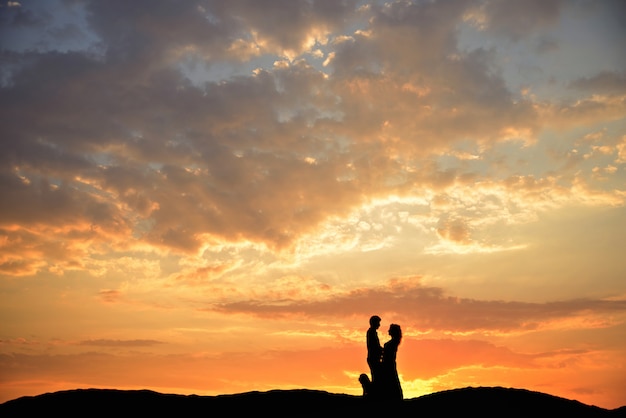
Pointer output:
x,y
395,332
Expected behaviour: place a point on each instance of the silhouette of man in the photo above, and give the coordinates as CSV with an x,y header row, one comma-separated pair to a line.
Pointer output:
x,y
374,349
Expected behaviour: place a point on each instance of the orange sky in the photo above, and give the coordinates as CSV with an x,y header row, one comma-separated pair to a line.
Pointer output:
x,y
214,197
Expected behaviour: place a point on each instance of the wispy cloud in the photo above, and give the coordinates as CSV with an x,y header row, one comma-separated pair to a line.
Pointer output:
x,y
119,343
429,308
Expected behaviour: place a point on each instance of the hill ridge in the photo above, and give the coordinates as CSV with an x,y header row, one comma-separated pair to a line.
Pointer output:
x,y
475,401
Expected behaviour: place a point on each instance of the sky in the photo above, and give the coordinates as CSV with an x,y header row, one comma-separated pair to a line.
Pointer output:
x,y
210,197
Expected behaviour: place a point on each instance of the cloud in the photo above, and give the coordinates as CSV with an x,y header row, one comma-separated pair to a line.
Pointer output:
x,y
119,343
607,82
294,26
212,30
110,295
518,20
123,141
17,16
429,308
454,230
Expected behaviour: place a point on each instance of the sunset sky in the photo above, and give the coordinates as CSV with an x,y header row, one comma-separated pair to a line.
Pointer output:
x,y
213,197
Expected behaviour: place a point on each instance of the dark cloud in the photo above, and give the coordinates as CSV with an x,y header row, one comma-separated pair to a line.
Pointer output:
x,y
13,15
134,140
517,20
406,80
145,31
66,32
285,24
23,202
607,82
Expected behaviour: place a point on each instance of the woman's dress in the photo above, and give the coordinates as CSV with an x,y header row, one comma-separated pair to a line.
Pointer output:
x,y
390,387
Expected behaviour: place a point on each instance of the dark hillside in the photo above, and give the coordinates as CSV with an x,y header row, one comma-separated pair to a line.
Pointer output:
x,y
478,402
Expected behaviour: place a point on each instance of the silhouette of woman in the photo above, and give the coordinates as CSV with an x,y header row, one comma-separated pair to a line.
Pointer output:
x,y
390,387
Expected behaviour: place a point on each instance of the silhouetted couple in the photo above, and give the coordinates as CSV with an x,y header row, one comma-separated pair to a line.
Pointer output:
x,y
385,383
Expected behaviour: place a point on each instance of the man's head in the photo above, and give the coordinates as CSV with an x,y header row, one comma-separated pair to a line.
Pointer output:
x,y
375,321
